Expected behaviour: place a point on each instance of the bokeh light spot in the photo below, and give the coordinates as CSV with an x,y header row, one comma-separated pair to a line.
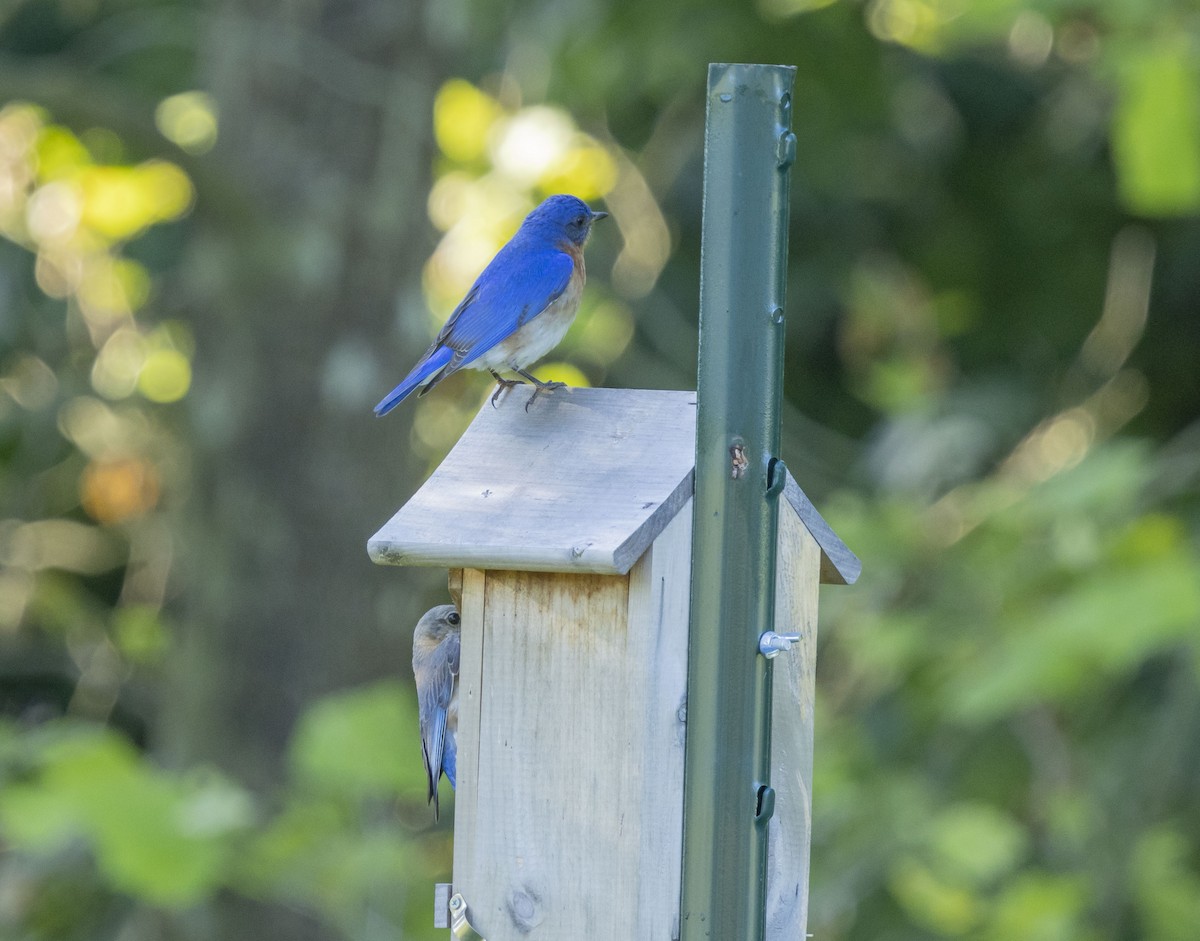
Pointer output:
x,y
113,491
121,201
782,9
438,423
140,634
587,170
165,376
562,372
95,429
1031,39
462,118
30,383
449,198
532,143
111,288
170,189
54,212
188,120
118,364
60,154
911,22
603,333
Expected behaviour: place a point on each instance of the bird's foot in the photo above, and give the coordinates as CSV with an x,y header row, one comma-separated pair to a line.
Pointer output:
x,y
504,385
541,387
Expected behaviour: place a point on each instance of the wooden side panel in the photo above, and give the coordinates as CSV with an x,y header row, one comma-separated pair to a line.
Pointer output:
x,y
568,817
659,605
470,695
797,580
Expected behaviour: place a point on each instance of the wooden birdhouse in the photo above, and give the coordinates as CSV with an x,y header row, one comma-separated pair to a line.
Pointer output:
x,y
567,529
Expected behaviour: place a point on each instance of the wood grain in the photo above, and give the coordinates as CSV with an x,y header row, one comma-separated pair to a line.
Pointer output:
x,y
793,688
582,482
568,818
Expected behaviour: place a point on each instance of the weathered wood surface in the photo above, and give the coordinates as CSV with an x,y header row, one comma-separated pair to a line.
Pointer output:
x,y
839,566
582,482
793,687
568,815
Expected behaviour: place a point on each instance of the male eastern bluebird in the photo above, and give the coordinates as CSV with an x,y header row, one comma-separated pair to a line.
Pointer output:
x,y
518,309
435,668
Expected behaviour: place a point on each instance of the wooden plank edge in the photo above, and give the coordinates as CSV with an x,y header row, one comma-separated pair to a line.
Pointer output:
x,y
559,559
839,565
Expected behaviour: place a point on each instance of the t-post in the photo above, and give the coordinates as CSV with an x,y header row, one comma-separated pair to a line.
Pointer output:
x,y
728,801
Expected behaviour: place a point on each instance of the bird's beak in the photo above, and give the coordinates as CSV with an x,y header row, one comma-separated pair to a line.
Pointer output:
x,y
597,216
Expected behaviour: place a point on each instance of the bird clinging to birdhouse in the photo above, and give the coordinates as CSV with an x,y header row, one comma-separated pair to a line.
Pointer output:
x,y
435,669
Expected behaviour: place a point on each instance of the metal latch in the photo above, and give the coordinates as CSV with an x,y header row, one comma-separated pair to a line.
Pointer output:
x,y
460,924
450,911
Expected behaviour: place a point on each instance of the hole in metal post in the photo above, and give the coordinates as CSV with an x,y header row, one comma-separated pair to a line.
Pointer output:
x,y
764,806
776,477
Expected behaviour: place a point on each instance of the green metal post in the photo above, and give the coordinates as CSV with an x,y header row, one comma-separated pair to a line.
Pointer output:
x,y
748,149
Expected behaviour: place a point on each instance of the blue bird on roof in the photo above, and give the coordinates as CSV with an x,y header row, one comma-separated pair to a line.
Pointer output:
x,y
518,309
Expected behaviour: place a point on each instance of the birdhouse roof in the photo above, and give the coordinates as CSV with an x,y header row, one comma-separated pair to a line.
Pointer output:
x,y
582,482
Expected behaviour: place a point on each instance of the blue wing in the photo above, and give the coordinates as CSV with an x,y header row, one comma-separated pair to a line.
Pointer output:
x,y
433,704
450,760
521,282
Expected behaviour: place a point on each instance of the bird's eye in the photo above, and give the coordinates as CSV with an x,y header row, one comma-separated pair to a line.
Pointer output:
x,y
580,221
453,617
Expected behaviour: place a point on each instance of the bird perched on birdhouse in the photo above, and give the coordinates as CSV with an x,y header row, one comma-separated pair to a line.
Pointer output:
x,y
518,310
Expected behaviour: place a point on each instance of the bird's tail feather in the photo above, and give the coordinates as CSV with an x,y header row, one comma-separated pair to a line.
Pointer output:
x,y
431,364
450,760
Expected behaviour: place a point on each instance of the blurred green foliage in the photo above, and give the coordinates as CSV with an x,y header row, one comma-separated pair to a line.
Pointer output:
x,y
226,228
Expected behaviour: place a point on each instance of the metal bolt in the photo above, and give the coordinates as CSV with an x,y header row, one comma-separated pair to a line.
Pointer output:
x,y
771,645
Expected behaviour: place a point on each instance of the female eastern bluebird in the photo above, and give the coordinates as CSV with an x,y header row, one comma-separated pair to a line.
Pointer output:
x,y
435,668
518,309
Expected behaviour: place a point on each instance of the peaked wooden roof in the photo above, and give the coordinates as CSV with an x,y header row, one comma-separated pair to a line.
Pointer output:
x,y
582,482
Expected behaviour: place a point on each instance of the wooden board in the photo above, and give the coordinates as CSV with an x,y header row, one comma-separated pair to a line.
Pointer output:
x,y
568,815
793,687
839,566
582,482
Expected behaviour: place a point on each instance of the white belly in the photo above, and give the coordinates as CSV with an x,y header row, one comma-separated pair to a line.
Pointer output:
x,y
535,338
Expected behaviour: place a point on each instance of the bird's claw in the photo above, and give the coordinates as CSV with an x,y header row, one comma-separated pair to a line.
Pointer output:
x,y
543,386
505,385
